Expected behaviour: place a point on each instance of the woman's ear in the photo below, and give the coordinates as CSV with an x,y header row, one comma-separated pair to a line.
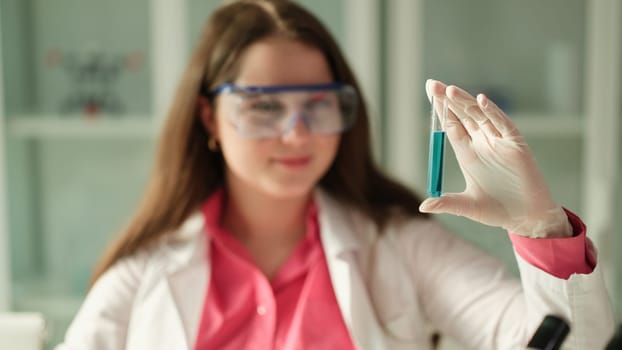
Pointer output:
x,y
208,117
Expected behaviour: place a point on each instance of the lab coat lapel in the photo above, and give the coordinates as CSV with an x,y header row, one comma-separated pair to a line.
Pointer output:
x,y
345,241
187,290
156,324
187,276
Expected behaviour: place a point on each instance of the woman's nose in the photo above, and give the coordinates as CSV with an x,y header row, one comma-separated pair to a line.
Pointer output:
x,y
297,130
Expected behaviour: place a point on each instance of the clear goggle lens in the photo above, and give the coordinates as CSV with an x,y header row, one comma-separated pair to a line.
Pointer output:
x,y
259,112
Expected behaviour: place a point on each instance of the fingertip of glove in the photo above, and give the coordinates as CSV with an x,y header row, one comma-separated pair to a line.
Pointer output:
x,y
427,89
428,205
482,100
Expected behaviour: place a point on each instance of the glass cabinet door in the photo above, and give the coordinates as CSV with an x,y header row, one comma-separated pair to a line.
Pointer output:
x,y
529,58
77,86
76,59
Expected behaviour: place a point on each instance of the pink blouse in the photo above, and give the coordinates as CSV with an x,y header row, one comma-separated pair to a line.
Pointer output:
x,y
244,310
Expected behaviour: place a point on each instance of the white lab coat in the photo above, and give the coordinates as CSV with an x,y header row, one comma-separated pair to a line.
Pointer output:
x,y
393,291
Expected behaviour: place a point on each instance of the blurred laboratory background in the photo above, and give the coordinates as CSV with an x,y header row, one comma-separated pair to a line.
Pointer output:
x,y
85,85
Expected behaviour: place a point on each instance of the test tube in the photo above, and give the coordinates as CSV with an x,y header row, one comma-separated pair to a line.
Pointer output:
x,y
437,148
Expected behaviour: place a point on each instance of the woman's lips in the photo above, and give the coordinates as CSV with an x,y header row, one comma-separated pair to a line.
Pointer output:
x,y
293,162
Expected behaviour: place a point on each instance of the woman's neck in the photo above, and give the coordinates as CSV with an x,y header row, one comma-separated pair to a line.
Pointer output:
x,y
253,216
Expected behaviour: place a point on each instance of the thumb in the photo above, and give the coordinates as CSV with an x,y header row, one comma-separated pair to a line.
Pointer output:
x,y
450,203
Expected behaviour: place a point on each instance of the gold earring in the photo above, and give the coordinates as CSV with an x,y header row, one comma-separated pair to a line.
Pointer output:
x,y
212,144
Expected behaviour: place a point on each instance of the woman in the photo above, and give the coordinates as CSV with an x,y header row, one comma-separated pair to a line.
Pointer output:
x,y
266,223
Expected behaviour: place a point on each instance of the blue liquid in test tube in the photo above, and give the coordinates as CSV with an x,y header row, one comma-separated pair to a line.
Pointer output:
x,y
437,150
435,165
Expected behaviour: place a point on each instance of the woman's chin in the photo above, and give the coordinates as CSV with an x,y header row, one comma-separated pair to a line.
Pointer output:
x,y
289,191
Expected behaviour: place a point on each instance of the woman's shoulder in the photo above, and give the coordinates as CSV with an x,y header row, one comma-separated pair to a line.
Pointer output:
x,y
183,239
175,247
172,249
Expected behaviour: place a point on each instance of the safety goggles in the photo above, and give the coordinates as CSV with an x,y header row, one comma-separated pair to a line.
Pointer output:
x,y
272,111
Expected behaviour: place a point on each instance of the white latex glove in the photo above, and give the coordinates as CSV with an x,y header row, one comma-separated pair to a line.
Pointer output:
x,y
504,187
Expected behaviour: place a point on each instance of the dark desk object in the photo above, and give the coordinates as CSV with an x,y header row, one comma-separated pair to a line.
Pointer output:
x,y
550,334
616,341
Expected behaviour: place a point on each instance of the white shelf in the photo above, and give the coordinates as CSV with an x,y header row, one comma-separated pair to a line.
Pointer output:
x,y
79,127
548,125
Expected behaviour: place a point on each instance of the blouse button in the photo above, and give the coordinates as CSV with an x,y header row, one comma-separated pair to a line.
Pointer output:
x,y
261,310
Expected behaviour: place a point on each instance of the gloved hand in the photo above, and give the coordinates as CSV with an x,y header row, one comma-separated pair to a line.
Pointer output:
x,y
504,187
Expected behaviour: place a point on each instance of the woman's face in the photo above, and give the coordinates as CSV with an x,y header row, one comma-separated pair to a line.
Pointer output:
x,y
284,166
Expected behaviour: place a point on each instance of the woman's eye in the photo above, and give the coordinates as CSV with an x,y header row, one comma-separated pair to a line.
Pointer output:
x,y
318,103
266,106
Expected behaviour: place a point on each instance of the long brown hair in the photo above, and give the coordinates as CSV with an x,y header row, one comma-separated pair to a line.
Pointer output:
x,y
186,172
